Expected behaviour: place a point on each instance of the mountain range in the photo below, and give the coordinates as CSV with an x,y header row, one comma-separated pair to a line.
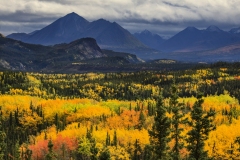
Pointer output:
x,y
190,43
109,35
192,39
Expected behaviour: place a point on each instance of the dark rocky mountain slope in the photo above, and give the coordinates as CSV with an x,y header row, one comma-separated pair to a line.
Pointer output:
x,y
17,55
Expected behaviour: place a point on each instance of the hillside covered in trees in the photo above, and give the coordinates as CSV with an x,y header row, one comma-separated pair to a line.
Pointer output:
x,y
187,114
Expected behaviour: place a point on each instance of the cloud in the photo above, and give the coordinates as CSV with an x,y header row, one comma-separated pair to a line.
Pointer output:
x,y
160,15
22,17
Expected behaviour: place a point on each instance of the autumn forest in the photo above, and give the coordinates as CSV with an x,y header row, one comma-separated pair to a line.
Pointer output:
x,y
190,114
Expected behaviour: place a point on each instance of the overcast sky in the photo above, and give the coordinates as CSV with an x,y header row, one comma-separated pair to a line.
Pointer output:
x,y
165,17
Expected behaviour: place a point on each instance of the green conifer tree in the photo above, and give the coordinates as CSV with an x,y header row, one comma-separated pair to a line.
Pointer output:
x,y
160,131
17,152
3,144
201,124
108,143
51,155
176,121
105,155
142,119
115,141
137,151
147,153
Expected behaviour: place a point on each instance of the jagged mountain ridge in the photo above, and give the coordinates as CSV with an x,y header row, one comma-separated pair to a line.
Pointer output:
x,y
149,39
60,31
109,35
192,39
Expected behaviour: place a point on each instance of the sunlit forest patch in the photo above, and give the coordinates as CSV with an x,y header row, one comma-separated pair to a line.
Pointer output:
x,y
135,115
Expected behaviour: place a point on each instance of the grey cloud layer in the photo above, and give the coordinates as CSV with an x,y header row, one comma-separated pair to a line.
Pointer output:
x,y
135,14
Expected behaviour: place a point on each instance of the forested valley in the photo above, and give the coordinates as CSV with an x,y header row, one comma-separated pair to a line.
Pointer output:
x,y
145,115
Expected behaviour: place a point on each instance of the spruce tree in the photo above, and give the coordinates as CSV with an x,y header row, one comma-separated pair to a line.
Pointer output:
x,y
3,137
63,148
137,151
141,120
160,131
108,143
51,155
176,122
115,141
147,153
105,155
17,152
94,149
149,109
56,121
201,124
